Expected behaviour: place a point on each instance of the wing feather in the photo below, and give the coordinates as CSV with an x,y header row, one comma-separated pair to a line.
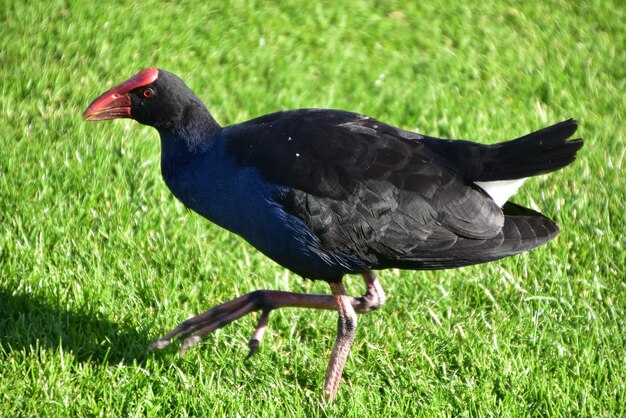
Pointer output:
x,y
364,187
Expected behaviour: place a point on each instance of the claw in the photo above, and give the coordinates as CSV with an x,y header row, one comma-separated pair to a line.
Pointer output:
x,y
253,346
187,344
158,345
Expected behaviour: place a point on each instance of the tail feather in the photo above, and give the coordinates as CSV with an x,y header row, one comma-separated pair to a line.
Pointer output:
x,y
537,153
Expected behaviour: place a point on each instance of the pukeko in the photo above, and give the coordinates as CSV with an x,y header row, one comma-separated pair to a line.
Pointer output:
x,y
327,193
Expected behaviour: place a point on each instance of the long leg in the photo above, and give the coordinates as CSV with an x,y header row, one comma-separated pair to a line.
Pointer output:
x,y
374,298
346,327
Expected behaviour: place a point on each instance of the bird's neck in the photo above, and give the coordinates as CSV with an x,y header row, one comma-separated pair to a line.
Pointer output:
x,y
191,135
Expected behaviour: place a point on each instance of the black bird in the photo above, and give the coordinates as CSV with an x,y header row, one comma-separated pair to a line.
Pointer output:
x,y
327,193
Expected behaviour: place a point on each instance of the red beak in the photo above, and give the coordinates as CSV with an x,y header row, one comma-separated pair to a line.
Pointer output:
x,y
116,103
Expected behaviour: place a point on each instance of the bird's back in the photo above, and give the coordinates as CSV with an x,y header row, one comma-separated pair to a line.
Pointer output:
x,y
389,197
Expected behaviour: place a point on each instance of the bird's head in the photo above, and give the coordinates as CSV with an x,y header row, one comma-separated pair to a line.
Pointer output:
x,y
152,97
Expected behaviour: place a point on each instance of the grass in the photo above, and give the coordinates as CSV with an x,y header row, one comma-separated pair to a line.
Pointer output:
x,y
97,259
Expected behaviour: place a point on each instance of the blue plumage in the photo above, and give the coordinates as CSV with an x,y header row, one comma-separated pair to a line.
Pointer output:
x,y
210,182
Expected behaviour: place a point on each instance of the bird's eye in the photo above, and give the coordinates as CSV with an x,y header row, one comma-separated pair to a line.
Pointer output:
x,y
148,93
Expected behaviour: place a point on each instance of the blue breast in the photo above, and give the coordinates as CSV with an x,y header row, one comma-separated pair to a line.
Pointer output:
x,y
236,198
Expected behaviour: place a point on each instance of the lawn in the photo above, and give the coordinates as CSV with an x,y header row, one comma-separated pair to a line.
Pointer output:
x,y
97,258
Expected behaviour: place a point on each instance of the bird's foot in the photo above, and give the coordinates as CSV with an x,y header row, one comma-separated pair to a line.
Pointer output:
x,y
192,330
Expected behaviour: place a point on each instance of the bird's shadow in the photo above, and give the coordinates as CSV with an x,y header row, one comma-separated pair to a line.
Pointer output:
x,y
27,323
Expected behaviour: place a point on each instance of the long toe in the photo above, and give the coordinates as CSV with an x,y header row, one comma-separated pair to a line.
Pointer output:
x,y
258,334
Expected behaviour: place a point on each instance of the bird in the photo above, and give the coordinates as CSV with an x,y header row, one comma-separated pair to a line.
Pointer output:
x,y
328,193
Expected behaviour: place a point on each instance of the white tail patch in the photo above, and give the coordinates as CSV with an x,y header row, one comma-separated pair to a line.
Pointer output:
x,y
500,190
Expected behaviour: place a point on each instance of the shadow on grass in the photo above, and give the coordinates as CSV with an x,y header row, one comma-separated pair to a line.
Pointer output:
x,y
26,323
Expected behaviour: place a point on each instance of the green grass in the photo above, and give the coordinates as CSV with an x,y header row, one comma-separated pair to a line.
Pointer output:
x,y
97,259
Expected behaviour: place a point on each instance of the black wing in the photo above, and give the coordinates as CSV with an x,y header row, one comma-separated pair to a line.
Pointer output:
x,y
363,187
